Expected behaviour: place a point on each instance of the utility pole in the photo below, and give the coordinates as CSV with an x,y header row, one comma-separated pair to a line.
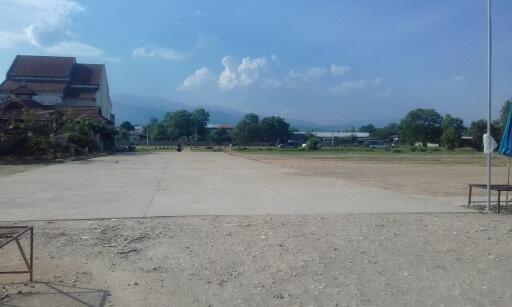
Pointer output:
x,y
147,137
332,140
489,97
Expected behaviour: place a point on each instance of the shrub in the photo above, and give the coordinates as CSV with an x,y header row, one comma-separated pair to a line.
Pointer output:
x,y
313,143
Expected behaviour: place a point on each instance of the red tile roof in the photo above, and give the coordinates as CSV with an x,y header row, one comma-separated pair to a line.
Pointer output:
x,y
10,85
41,66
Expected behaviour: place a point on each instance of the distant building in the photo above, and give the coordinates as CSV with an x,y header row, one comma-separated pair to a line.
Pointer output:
x,y
212,127
46,83
327,137
137,134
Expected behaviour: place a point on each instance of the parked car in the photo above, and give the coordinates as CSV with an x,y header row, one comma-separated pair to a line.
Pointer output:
x,y
377,144
289,144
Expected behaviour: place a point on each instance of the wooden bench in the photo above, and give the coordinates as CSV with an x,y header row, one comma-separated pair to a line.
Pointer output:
x,y
494,187
10,234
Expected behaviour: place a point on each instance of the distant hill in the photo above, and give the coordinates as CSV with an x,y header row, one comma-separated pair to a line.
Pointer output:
x,y
139,109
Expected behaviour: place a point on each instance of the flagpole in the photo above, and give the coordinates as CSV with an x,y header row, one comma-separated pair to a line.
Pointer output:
x,y
489,79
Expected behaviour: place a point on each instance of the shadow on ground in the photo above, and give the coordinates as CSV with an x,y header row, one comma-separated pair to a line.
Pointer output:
x,y
52,294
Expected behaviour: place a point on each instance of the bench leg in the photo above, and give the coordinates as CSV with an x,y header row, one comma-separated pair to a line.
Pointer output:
x,y
499,204
469,196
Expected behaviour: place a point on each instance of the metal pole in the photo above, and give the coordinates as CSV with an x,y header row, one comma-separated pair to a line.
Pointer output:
x,y
147,137
489,79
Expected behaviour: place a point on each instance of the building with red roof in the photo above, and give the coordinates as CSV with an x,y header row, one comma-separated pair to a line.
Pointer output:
x,y
45,83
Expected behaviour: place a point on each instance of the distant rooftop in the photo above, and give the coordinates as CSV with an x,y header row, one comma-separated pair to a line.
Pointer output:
x,y
330,134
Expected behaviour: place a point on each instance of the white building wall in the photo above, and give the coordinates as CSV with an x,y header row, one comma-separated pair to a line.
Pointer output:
x,y
104,96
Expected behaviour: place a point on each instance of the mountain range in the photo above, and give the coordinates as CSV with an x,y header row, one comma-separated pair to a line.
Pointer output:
x,y
139,109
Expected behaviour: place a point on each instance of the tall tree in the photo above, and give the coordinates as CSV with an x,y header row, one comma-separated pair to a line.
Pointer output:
x,y
367,128
274,128
179,124
453,129
127,126
200,119
477,129
247,130
219,136
421,125
387,132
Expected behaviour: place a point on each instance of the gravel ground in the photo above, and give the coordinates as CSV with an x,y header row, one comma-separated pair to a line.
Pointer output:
x,y
8,169
308,260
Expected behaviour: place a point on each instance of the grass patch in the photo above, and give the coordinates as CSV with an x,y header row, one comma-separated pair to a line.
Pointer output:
x,y
464,156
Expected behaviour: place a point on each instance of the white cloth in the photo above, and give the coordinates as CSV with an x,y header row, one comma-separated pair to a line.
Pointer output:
x,y
489,143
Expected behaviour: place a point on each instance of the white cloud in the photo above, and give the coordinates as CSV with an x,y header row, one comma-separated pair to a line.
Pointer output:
x,y
73,48
311,74
202,76
151,51
349,86
43,24
339,70
383,94
459,78
246,73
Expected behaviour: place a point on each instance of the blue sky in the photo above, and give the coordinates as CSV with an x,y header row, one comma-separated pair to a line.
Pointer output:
x,y
329,62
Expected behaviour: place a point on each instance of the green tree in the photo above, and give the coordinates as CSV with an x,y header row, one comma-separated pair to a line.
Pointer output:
x,y
247,130
157,130
274,128
387,132
367,128
421,125
477,129
453,129
200,119
220,136
450,138
313,143
179,124
505,110
127,126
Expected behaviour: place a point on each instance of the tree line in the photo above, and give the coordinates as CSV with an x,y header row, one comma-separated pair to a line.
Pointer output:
x,y
185,126
419,125
57,135
428,126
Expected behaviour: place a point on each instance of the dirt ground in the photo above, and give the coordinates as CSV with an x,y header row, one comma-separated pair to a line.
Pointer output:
x,y
419,175
279,260
8,169
309,260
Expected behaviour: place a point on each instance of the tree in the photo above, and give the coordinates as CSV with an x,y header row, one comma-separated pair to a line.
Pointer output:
x,y
274,128
505,110
247,130
450,138
200,119
127,126
502,120
220,136
477,129
421,125
453,129
179,124
387,132
313,143
367,128
157,130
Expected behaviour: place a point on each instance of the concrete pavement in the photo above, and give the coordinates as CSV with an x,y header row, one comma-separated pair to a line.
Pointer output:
x,y
189,183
